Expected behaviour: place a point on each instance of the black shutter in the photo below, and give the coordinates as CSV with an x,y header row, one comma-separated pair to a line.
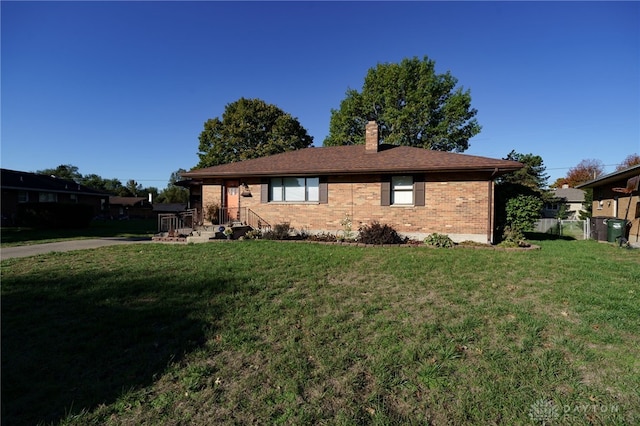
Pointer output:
x,y
264,191
323,191
418,192
385,192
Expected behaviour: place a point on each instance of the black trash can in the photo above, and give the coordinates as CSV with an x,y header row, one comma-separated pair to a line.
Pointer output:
x,y
616,229
599,227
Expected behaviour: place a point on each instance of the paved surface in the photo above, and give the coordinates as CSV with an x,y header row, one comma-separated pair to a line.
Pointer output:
x,y
35,249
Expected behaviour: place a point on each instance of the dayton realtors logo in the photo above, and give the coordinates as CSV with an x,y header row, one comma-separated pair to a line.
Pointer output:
x,y
545,411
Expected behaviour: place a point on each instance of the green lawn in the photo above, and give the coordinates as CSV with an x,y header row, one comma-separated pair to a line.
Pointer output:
x,y
98,229
266,332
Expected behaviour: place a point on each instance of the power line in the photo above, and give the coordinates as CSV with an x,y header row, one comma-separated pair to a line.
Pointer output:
x,y
567,168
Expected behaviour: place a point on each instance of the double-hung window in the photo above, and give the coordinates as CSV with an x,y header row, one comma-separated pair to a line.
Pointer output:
x,y
402,190
47,197
294,189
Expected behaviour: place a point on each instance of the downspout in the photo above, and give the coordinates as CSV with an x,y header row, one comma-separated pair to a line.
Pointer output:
x,y
490,215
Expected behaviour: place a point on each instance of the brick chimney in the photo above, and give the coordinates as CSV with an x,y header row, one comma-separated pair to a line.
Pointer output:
x,y
371,139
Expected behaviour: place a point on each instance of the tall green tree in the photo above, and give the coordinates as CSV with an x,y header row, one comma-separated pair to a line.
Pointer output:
x,y
587,205
63,171
174,193
250,128
112,186
134,189
521,194
413,106
531,179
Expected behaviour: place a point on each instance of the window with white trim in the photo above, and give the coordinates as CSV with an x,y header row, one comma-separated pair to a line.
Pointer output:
x,y
23,197
47,197
294,189
402,190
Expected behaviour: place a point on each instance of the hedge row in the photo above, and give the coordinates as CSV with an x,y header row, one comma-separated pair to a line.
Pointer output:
x,y
54,215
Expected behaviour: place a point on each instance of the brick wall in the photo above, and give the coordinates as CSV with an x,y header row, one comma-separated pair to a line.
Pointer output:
x,y
211,194
457,208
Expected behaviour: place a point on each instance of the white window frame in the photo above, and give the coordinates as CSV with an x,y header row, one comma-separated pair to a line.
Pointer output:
x,y
47,197
294,189
402,191
23,196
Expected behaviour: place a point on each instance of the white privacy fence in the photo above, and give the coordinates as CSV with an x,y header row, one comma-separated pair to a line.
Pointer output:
x,y
578,229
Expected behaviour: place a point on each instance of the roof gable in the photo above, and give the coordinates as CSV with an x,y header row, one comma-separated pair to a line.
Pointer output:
x,y
570,194
354,159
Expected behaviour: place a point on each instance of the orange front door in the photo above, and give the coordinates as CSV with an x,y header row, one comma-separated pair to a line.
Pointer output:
x,y
233,199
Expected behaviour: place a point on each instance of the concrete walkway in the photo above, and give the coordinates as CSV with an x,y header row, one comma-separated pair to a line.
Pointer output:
x,y
36,249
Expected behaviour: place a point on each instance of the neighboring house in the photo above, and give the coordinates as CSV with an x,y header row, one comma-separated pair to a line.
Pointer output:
x,y
23,187
414,190
610,201
573,198
130,208
163,208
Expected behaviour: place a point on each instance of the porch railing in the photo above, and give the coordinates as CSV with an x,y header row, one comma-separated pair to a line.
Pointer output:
x,y
243,216
256,222
182,222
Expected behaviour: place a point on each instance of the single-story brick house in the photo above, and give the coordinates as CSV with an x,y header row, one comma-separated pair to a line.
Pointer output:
x,y
24,187
572,197
159,208
610,201
414,190
130,208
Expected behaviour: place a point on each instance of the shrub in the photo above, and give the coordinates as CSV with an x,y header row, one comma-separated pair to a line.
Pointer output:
x,y
513,237
523,211
439,240
302,234
280,231
323,236
212,212
254,234
54,215
471,243
379,234
347,228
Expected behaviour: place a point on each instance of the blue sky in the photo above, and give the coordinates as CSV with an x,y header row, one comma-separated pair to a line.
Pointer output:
x,y
122,89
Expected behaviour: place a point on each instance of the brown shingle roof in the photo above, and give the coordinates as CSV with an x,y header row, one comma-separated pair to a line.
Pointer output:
x,y
26,181
354,159
127,201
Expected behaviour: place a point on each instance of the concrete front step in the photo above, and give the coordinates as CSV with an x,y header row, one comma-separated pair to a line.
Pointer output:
x,y
198,239
201,235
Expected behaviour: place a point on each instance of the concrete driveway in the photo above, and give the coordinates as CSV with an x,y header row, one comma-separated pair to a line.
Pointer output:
x,y
35,249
